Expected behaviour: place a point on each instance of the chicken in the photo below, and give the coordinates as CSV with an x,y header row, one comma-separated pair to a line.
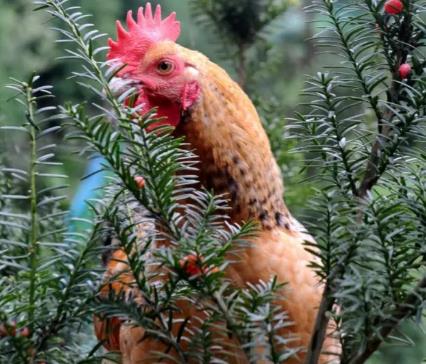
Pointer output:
x,y
221,124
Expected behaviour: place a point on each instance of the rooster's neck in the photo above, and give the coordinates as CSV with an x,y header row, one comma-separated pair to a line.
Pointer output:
x,y
234,152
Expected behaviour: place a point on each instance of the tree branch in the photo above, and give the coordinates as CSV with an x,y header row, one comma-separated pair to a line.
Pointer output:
x,y
320,328
374,170
402,311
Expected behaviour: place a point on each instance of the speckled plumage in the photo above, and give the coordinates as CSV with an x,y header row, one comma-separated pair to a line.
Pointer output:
x,y
235,155
235,158
226,132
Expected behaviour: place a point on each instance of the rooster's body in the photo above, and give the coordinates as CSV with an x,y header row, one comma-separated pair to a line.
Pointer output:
x,y
219,121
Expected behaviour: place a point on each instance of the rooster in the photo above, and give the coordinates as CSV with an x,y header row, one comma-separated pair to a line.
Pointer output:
x,y
218,120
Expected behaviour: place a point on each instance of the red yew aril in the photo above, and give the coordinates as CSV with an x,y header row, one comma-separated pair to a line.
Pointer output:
x,y
8,329
393,7
25,332
191,265
140,182
404,70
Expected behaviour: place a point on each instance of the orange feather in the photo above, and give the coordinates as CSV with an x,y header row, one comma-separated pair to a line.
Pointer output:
x,y
235,158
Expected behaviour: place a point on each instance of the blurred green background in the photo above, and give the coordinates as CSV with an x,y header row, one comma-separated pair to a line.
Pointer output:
x,y
276,69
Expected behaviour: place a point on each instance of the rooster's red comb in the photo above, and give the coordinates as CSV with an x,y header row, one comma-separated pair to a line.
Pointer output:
x,y
148,28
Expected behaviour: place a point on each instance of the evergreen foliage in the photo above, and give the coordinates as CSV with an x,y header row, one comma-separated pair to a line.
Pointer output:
x,y
46,273
242,26
371,170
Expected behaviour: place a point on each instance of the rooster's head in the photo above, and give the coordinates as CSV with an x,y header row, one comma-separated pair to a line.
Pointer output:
x,y
149,59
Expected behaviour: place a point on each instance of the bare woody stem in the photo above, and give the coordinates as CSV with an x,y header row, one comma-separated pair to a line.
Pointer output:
x,y
375,167
320,328
378,160
33,242
402,311
326,305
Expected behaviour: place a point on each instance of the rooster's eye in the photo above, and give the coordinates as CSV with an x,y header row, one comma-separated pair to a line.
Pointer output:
x,y
165,67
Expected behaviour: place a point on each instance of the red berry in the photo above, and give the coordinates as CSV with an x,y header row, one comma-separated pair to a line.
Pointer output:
x,y
25,332
194,266
8,329
394,7
404,70
191,265
140,182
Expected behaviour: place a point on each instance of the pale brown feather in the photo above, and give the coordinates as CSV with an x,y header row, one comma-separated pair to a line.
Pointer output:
x,y
235,158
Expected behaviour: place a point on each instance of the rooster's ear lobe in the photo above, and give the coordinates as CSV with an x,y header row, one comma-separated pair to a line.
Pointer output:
x,y
190,95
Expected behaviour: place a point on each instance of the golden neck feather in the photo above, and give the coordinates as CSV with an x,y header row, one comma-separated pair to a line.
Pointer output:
x,y
227,135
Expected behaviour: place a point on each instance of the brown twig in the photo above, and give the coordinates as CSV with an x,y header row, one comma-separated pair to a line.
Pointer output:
x,y
374,168
402,311
326,305
320,328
